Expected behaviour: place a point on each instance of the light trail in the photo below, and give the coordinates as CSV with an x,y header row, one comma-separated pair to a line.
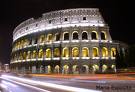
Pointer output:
x,y
26,85
50,85
8,83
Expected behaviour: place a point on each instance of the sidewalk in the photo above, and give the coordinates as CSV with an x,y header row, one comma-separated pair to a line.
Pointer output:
x,y
120,76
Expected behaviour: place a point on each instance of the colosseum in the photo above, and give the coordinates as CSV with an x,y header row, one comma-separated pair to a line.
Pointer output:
x,y
70,41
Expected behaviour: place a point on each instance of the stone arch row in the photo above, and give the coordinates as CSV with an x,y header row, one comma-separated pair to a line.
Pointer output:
x,y
75,69
75,52
75,36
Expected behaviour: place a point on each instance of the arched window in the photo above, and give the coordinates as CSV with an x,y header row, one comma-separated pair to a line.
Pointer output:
x,y
84,36
85,52
95,52
75,52
35,40
104,52
85,69
28,55
65,52
24,55
113,52
103,35
30,41
75,35
48,53
19,44
95,68
49,69
49,37
22,44
65,69
57,69
57,37
41,39
21,56
34,54
40,53
104,68
26,42
94,35
56,52
66,36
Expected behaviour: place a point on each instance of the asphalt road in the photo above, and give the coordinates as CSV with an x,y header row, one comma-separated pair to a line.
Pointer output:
x,y
103,85
46,84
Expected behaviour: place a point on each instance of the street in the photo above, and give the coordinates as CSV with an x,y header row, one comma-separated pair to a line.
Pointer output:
x,y
10,83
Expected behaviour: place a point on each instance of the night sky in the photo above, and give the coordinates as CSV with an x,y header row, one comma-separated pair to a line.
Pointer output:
x,y
118,15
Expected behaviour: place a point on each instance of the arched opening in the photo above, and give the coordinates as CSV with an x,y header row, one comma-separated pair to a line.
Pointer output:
x,y
75,52
113,52
41,39
113,68
66,36
14,58
49,37
65,52
28,54
85,52
19,45
35,40
22,43
75,35
85,69
75,69
104,52
49,69
95,68
40,54
30,41
95,52
103,35
20,56
34,54
65,69
26,42
24,55
56,52
57,37
84,36
57,69
48,53
94,35
104,68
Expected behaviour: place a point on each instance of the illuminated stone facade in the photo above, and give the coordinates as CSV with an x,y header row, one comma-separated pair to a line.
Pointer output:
x,y
75,41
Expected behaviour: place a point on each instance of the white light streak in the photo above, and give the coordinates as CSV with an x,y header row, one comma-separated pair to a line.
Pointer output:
x,y
51,85
33,87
